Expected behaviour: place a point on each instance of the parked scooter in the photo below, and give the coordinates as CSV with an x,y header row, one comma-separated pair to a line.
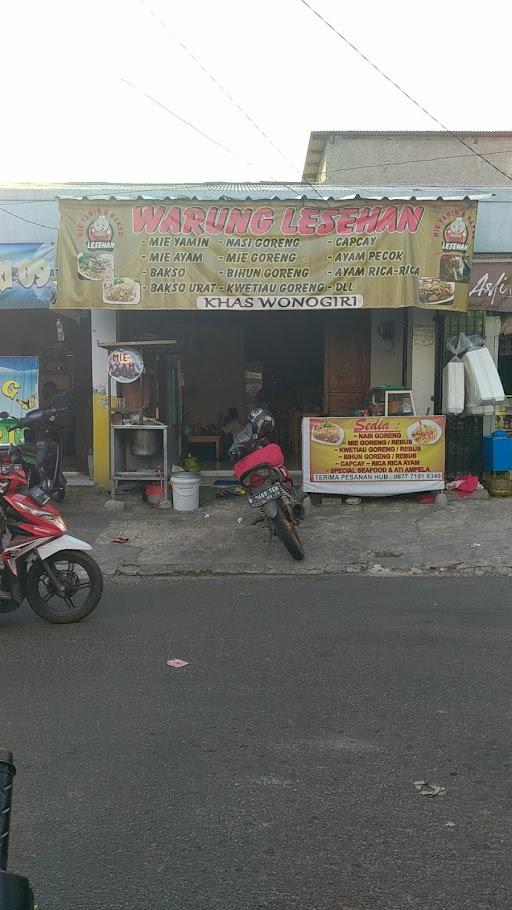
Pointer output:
x,y
41,455
40,561
261,470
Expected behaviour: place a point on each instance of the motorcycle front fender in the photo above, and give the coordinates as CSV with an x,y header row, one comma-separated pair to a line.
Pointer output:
x,y
66,542
270,509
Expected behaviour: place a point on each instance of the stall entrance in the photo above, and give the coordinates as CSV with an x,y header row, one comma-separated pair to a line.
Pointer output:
x,y
233,362
62,344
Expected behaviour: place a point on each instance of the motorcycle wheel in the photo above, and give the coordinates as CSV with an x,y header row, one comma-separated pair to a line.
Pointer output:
x,y
83,582
59,495
287,532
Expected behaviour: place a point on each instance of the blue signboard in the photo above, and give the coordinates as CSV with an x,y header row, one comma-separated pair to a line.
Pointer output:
x,y
27,275
19,380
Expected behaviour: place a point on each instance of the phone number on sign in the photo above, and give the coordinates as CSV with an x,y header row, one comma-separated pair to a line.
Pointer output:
x,y
341,477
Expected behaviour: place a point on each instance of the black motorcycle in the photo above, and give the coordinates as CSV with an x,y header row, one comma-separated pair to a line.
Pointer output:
x,y
41,454
260,467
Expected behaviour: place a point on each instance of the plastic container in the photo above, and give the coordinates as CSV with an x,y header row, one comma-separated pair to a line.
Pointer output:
x,y
154,493
453,387
185,491
497,451
483,384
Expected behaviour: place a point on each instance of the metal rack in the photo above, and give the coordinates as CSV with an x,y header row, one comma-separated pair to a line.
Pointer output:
x,y
141,448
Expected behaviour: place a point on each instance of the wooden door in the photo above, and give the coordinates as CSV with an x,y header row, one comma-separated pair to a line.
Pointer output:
x,y
347,361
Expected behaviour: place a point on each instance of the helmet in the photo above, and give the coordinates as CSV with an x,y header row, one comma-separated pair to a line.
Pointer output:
x,y
262,422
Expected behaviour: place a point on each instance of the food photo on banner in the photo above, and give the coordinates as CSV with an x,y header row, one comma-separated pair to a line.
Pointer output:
x,y
373,456
27,275
265,256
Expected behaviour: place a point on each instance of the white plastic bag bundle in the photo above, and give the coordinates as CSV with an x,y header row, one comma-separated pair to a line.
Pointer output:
x,y
453,387
483,384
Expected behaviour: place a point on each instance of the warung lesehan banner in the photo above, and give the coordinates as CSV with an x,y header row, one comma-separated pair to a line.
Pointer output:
x,y
265,256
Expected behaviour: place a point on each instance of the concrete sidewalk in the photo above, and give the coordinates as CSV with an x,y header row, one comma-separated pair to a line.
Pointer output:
x,y
378,537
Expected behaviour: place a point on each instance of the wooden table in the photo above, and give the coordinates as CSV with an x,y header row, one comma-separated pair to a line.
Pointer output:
x,y
208,440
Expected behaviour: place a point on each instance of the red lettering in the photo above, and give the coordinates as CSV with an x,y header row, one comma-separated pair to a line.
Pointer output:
x,y
346,221
215,220
172,221
327,222
238,221
146,218
387,220
410,218
308,220
366,220
287,225
193,220
262,221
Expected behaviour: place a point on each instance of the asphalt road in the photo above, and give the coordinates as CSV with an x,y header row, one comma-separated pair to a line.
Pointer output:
x,y
277,770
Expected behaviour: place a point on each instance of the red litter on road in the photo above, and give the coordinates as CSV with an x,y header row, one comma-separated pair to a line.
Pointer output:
x,y
177,663
120,539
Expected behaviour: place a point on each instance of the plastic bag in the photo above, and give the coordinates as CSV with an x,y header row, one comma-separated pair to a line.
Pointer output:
x,y
460,344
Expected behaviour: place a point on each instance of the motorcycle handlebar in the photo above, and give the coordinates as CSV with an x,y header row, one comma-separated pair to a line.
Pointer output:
x,y
7,772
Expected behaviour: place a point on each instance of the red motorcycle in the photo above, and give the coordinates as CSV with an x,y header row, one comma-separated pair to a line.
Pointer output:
x,y
261,470
40,561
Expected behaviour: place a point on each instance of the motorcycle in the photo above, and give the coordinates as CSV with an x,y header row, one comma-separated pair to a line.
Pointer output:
x,y
260,468
41,456
40,561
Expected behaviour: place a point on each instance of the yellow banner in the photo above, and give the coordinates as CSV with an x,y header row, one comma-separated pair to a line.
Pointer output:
x,y
376,454
265,255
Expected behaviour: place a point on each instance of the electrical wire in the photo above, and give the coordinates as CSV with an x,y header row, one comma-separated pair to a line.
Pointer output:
x,y
28,220
363,167
399,88
192,126
241,110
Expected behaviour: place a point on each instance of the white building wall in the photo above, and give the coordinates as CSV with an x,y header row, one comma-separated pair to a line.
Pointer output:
x,y
422,361
386,352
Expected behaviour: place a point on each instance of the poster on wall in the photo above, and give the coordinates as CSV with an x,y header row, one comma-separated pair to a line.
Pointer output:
x,y
373,456
19,380
27,275
275,256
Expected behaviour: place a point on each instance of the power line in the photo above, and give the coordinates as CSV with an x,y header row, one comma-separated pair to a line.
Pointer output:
x,y
241,110
363,167
27,220
218,84
192,126
400,89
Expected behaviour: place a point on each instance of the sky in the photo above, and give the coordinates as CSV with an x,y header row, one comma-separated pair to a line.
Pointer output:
x,y
65,66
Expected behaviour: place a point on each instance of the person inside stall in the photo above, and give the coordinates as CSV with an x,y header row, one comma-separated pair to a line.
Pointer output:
x,y
62,400
230,427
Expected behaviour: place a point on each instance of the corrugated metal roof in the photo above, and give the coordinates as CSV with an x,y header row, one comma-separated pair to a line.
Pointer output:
x,y
25,193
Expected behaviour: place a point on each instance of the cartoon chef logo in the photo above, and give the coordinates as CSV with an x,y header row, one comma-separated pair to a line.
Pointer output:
x,y
100,234
455,235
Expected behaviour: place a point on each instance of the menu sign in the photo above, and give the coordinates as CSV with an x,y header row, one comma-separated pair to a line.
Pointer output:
x,y
490,286
265,255
373,456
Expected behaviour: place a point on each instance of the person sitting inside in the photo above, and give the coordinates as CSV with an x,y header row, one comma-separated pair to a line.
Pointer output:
x,y
230,428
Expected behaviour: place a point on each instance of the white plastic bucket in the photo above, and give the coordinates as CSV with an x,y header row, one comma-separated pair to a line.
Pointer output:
x,y
185,491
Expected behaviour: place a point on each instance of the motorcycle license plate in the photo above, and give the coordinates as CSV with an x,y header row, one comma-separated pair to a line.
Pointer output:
x,y
259,499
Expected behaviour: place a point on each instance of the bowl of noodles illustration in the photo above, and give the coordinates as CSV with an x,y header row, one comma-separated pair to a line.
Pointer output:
x,y
424,432
327,433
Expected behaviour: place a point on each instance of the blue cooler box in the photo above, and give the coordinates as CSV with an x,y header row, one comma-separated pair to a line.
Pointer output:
x,y
497,451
